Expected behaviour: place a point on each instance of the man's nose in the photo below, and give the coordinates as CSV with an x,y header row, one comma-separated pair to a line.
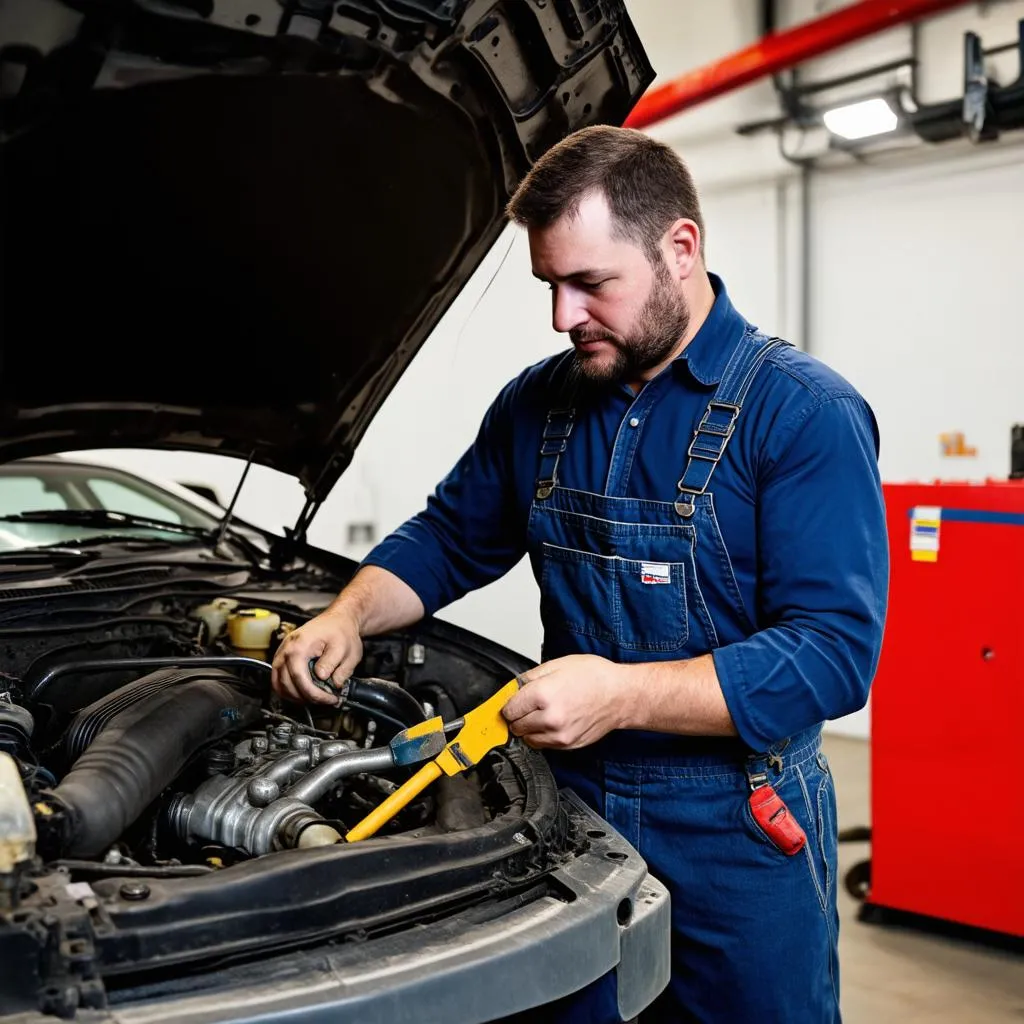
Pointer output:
x,y
568,311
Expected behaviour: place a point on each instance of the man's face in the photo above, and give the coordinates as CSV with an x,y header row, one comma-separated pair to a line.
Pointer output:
x,y
624,317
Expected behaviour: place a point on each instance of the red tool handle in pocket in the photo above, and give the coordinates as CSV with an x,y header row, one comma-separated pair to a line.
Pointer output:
x,y
772,814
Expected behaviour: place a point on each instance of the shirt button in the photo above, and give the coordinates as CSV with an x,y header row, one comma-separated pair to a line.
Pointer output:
x,y
634,422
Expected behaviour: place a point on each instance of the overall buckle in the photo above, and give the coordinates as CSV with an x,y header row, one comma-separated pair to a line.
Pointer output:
x,y
685,504
704,456
559,424
704,427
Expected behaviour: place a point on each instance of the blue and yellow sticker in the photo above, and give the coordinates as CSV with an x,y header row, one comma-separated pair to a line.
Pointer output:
x,y
925,521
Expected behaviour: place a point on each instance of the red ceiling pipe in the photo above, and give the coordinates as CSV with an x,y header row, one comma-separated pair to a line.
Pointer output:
x,y
777,52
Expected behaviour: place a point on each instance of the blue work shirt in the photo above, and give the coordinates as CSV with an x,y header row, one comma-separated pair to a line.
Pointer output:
x,y
797,499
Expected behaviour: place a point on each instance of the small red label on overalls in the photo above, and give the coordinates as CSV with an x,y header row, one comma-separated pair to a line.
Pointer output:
x,y
772,814
655,572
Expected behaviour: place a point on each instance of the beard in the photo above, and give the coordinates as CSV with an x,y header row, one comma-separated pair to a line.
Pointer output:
x,y
661,322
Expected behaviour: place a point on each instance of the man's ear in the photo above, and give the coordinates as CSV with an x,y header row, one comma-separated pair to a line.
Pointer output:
x,y
683,243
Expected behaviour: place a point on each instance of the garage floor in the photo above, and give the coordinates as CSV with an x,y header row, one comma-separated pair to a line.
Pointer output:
x,y
897,974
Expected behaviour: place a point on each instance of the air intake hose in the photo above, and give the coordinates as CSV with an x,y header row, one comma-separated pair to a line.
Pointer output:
x,y
384,699
138,753
92,720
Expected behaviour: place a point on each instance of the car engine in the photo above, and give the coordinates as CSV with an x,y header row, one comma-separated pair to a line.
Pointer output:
x,y
173,762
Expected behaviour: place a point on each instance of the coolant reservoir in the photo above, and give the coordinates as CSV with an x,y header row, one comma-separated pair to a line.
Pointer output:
x,y
250,631
215,615
17,826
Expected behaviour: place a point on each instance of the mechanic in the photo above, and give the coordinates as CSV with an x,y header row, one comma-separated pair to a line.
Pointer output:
x,y
702,508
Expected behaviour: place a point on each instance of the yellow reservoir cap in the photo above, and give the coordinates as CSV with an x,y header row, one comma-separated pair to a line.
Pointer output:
x,y
250,631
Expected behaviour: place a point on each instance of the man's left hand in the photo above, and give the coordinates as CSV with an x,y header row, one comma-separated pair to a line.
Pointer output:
x,y
568,702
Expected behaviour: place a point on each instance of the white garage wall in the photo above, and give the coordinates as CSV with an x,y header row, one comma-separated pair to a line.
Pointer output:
x,y
747,246
917,278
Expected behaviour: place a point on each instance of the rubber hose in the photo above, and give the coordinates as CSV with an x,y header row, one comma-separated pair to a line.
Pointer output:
x,y
139,753
386,697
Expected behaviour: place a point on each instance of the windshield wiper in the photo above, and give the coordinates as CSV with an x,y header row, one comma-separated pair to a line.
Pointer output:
x,y
120,521
100,518
44,554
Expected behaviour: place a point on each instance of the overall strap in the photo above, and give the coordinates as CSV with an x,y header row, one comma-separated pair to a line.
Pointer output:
x,y
553,443
719,420
557,429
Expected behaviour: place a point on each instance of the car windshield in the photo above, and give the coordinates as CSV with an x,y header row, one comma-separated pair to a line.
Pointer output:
x,y
38,487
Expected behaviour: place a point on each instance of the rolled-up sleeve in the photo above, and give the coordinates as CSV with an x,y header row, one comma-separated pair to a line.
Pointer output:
x,y
470,533
823,571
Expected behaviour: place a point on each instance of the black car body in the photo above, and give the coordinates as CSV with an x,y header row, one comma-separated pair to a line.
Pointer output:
x,y
228,226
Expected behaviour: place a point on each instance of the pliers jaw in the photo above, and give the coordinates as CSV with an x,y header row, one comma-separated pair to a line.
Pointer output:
x,y
419,742
483,729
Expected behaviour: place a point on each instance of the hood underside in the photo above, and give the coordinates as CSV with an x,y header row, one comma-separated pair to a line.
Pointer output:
x,y
228,226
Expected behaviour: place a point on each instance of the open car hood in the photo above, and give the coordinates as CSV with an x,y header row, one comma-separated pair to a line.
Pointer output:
x,y
228,225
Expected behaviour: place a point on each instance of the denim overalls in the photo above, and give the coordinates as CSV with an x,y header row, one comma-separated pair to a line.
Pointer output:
x,y
754,930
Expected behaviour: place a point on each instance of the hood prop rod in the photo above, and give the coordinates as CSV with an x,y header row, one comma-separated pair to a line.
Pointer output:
x,y
285,549
224,523
309,510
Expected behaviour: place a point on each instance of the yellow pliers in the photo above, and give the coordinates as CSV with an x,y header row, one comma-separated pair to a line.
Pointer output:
x,y
483,729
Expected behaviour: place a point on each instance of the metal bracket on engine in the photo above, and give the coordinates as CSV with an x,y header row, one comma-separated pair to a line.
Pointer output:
x,y
48,952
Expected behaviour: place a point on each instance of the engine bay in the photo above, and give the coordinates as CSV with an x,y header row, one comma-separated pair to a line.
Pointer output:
x,y
145,764
192,764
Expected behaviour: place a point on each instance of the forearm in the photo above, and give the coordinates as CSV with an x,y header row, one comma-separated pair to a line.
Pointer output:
x,y
682,697
378,601
573,701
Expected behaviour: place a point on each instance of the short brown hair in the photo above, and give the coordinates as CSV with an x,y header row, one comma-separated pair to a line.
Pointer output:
x,y
645,182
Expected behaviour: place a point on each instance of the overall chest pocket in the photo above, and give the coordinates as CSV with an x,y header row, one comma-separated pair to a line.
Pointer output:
x,y
635,604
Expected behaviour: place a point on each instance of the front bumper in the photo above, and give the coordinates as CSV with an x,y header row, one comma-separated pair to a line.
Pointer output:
x,y
480,965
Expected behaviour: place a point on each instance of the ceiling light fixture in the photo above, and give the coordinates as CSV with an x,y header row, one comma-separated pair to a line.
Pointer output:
x,y
861,120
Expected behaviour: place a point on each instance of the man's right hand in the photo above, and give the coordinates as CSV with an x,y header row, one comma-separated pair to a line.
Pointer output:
x,y
333,639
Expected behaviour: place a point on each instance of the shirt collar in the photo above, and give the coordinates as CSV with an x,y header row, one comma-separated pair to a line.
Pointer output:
x,y
707,354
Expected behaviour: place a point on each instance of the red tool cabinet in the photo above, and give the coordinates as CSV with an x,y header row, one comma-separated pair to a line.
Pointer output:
x,y
947,708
